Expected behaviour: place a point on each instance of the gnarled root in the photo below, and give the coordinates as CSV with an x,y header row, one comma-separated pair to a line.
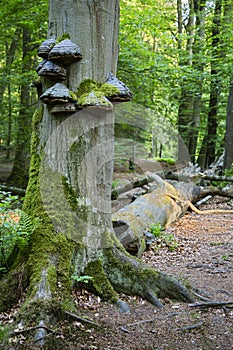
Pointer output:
x,y
131,276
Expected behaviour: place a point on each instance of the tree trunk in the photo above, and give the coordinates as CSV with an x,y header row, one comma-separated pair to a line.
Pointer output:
x,y
20,171
70,186
185,111
209,141
198,65
228,155
8,138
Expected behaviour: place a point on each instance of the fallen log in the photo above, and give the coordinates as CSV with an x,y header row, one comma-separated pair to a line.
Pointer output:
x,y
138,183
150,178
13,190
161,206
194,177
132,222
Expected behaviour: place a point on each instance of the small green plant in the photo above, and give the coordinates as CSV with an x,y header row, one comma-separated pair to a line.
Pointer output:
x,y
156,229
15,228
115,183
163,238
82,279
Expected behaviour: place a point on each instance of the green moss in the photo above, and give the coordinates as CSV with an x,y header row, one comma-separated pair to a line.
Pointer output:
x,y
73,95
100,282
70,194
94,98
36,119
87,86
109,90
52,254
63,37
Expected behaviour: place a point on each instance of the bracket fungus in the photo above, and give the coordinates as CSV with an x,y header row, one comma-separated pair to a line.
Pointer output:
x,y
58,93
66,52
123,94
95,101
64,108
45,47
40,65
52,70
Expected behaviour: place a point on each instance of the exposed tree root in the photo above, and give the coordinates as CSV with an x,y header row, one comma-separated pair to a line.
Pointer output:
x,y
197,211
213,304
131,276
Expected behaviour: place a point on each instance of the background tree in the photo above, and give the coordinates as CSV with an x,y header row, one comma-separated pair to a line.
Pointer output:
x,y
22,25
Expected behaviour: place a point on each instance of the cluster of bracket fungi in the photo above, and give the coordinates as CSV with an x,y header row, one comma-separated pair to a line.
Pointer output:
x,y
60,100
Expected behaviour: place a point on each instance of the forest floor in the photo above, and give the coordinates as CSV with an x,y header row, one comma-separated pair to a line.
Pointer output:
x,y
203,259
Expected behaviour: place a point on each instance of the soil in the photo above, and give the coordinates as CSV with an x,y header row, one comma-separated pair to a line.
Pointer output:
x,y
203,260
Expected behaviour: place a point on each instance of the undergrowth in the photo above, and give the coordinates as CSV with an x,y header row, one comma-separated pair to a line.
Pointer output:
x,y
163,239
15,228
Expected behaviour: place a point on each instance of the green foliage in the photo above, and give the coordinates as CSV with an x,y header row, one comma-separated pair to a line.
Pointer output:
x,y
163,238
15,228
166,160
115,183
82,279
222,184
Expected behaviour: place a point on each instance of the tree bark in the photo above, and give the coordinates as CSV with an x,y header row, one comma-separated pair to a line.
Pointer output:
x,y
198,66
20,171
70,186
228,155
208,149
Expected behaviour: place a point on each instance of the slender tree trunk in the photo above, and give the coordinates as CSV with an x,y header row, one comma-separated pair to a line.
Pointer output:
x,y
8,139
209,141
185,111
10,55
228,149
20,172
228,157
198,65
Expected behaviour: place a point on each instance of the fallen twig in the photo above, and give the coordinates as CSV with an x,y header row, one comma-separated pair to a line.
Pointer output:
x,y
152,319
212,304
19,331
189,328
14,190
81,319
201,297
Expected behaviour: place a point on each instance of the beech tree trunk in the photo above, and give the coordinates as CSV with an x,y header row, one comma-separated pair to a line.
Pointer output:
x,y
70,187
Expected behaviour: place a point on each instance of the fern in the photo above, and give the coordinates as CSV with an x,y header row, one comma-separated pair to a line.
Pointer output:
x,y
26,225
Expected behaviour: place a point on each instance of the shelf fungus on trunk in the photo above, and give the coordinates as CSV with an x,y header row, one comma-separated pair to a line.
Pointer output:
x,y
58,93
52,70
64,108
40,65
121,93
66,52
46,47
95,101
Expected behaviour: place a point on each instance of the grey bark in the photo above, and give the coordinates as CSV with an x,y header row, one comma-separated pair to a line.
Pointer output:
x,y
228,156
